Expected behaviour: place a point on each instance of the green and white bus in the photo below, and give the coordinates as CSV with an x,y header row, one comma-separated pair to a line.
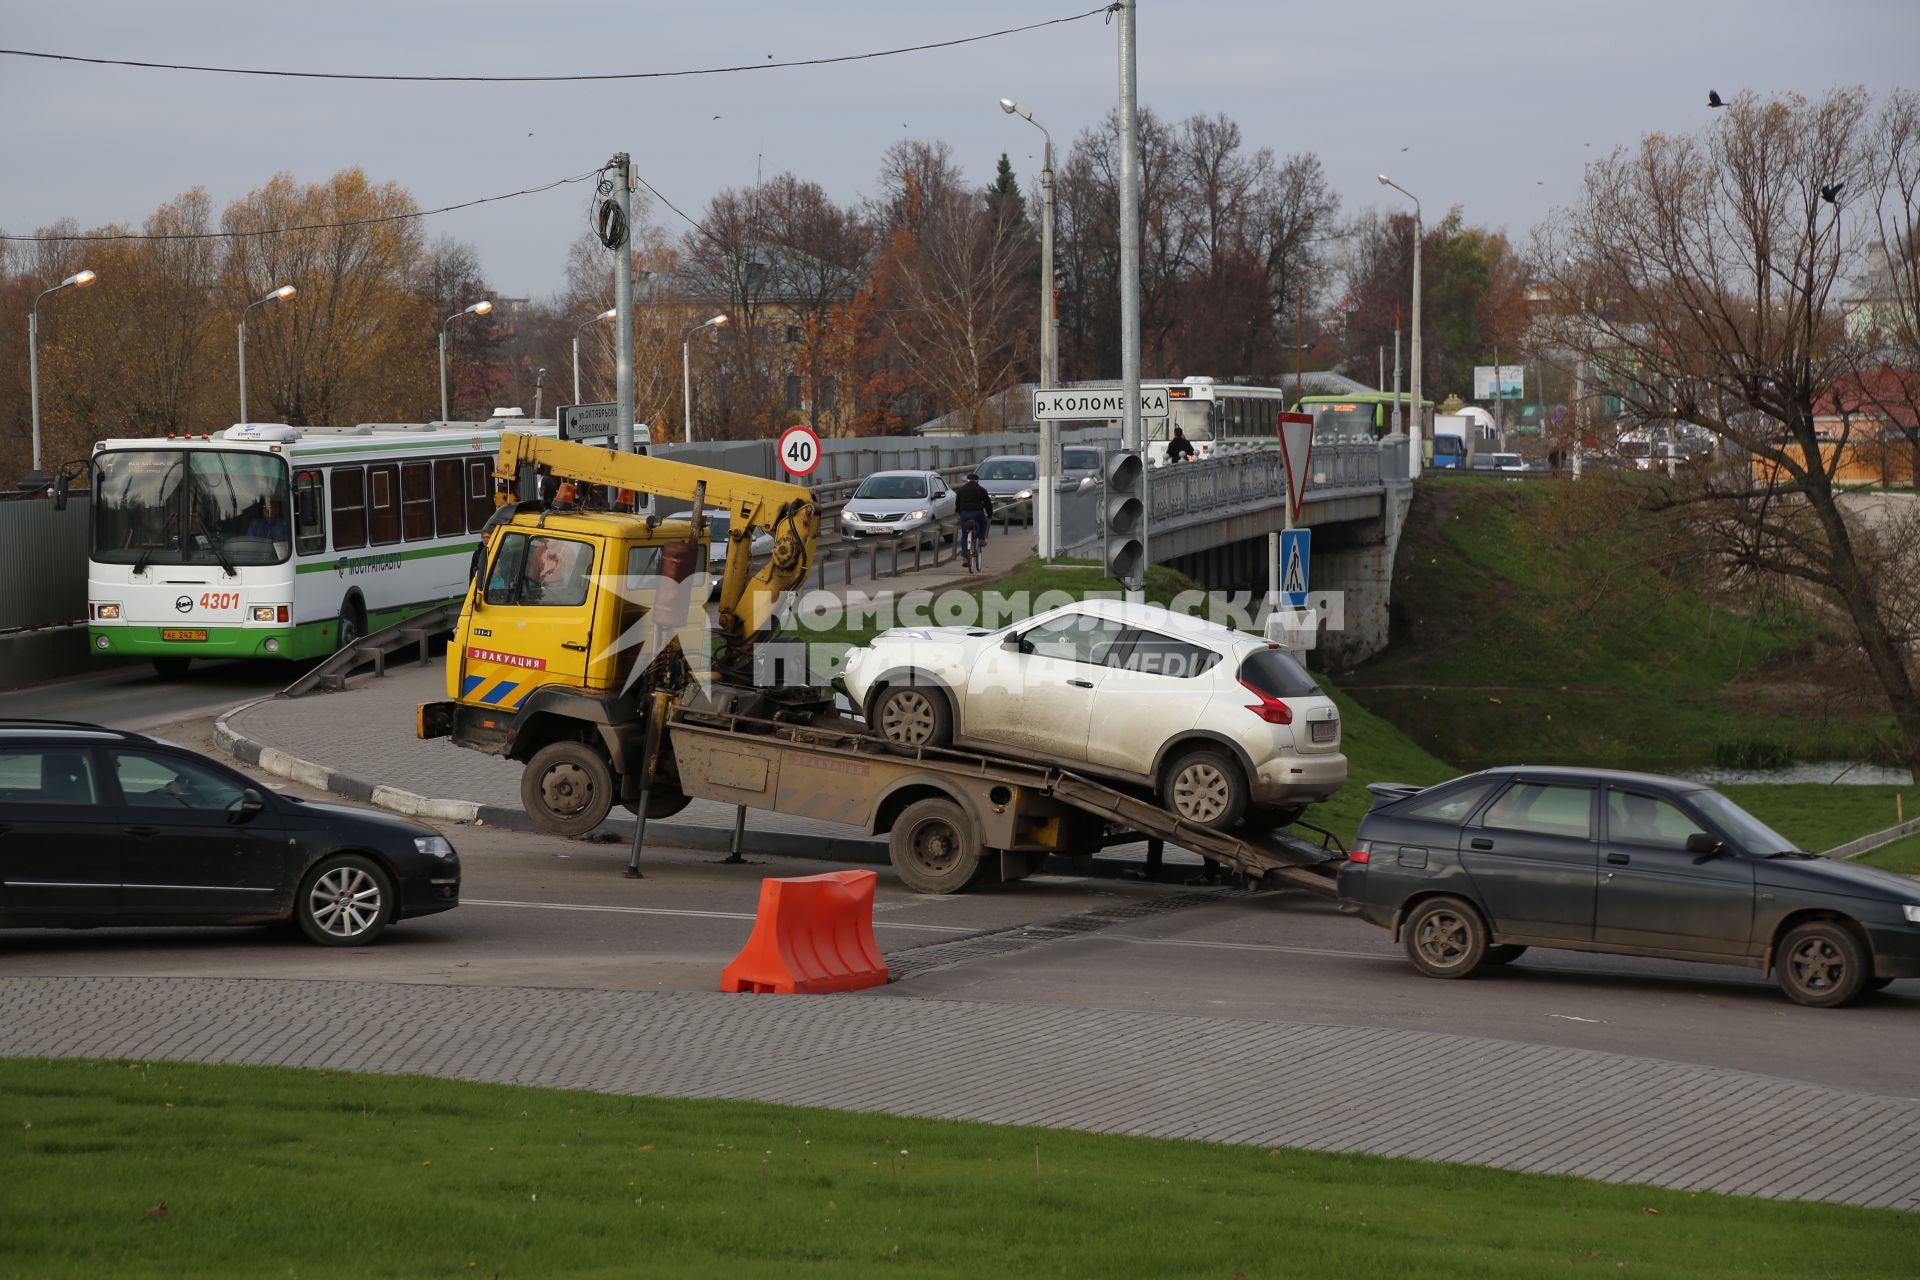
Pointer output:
x,y
271,541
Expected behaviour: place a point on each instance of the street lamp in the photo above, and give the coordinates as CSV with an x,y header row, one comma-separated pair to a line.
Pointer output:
x,y
479,308
79,280
608,314
539,388
1418,235
686,372
1049,327
284,291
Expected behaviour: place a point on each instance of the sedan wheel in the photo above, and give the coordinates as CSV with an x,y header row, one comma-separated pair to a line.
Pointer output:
x,y
913,716
1822,964
1445,938
345,901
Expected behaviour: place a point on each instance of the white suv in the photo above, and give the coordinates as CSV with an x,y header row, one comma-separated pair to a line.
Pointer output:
x,y
1224,727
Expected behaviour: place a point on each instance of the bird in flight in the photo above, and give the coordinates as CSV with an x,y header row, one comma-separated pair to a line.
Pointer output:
x,y
1714,99
1831,192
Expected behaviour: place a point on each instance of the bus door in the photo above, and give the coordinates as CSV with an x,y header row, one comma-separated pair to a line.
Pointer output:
x,y
534,625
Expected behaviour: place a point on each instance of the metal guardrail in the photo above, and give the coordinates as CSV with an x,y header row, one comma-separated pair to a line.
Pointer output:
x,y
1255,478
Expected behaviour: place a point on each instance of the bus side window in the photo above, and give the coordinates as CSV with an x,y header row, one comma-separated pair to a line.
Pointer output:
x,y
416,500
383,504
349,508
309,513
479,494
449,499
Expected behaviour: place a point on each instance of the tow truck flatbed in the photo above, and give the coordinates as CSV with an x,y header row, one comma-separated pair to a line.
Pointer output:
x,y
952,815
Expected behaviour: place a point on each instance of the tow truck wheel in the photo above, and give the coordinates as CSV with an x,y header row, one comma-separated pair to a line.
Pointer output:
x,y
913,716
934,848
567,788
663,801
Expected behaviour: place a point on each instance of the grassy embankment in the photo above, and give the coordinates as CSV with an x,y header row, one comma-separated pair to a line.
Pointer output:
x,y
1532,627
114,1168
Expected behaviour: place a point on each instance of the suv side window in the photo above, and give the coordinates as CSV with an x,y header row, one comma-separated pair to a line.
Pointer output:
x,y
46,776
151,781
1076,637
1545,809
1153,654
1636,818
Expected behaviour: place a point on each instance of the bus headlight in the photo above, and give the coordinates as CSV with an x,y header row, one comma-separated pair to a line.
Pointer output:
x,y
263,613
107,612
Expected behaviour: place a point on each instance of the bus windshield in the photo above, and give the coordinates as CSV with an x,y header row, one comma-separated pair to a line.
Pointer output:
x,y
1343,419
181,506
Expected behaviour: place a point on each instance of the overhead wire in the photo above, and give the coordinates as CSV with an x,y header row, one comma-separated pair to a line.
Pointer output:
x,y
307,226
768,65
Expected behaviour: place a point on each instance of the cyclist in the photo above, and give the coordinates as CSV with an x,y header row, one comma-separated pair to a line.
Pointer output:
x,y
975,507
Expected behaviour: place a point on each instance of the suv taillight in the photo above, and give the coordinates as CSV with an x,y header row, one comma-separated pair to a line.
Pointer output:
x,y
1360,853
1269,708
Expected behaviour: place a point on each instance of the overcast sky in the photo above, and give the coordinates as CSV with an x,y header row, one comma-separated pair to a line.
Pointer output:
x,y
1490,104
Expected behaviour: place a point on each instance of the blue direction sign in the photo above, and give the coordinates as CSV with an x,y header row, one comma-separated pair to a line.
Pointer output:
x,y
1296,552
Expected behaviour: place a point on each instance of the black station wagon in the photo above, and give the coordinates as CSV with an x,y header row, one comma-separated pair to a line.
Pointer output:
x,y
1472,872
105,827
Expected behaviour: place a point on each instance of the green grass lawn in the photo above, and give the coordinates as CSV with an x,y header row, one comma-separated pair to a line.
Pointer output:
x,y
1816,816
168,1170
1902,855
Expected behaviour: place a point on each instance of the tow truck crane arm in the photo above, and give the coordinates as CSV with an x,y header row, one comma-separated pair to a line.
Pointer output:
x,y
747,600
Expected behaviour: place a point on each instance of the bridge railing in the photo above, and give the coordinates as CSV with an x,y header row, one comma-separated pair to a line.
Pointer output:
x,y
1255,478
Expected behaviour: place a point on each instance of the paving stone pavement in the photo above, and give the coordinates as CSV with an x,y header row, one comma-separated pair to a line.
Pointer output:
x,y
1330,1088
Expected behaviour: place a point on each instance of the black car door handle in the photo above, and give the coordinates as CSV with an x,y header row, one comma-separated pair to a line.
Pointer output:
x,y
143,831
1618,859
577,648
1480,843
1081,684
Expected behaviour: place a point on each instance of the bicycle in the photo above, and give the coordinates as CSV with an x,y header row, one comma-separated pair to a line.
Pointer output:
x,y
970,543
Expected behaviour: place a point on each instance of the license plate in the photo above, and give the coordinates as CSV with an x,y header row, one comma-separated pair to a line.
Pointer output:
x,y
194,633
1326,730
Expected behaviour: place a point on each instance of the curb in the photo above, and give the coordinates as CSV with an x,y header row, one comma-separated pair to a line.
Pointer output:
x,y
283,764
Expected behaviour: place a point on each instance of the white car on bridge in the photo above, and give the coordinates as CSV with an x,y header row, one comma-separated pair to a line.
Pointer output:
x,y
1225,728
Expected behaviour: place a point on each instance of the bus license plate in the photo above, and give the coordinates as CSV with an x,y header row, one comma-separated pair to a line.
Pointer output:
x,y
1325,730
195,633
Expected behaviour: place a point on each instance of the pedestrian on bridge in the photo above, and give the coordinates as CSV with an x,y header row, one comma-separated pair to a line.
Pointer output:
x,y
1179,449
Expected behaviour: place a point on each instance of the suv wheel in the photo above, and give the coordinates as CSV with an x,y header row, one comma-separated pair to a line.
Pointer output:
x,y
913,716
1821,964
1445,938
1206,787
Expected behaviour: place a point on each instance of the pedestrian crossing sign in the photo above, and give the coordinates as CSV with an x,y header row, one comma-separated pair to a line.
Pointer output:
x,y
1296,548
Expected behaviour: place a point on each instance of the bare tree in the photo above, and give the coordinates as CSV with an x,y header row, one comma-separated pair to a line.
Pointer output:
x,y
1701,277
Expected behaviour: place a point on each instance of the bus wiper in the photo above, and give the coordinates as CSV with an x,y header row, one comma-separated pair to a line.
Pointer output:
x,y
146,556
213,541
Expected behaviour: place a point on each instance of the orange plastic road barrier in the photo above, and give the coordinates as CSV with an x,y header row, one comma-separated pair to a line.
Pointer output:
x,y
812,935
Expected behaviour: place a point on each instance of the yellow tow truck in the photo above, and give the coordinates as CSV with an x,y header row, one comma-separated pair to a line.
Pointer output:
x,y
570,600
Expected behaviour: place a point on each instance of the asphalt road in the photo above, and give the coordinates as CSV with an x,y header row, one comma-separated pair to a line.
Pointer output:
x,y
540,911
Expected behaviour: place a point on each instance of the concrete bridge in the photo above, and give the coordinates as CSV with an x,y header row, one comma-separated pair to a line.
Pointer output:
x,y
1210,520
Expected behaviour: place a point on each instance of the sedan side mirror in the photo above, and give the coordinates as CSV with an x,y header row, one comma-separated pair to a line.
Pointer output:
x,y
1705,845
252,803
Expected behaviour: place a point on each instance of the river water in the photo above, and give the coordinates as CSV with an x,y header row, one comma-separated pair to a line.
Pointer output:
x,y
1825,771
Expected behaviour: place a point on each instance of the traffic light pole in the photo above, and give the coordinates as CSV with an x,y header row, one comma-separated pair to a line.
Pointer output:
x,y
1130,436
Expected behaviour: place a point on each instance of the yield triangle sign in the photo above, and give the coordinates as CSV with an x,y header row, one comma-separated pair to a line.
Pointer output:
x,y
1296,450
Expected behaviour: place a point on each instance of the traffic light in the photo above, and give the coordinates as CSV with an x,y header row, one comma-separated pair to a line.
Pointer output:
x,y
1126,516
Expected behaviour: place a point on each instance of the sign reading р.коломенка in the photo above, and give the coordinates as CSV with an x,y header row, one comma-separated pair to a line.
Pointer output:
x,y
1095,404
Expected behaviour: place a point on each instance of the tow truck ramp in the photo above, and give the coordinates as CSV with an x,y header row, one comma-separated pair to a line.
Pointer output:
x,y
951,814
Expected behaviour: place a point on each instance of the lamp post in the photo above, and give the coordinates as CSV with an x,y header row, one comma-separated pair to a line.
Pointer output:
x,y
1049,330
608,314
479,308
78,280
686,373
539,388
284,291
1418,235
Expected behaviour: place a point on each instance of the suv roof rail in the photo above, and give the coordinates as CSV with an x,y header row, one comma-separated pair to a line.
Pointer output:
x,y
31,722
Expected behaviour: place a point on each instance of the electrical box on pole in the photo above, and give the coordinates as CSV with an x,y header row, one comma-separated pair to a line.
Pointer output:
x,y
1126,517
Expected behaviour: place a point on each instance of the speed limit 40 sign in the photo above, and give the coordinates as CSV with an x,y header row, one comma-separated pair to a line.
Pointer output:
x,y
799,450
